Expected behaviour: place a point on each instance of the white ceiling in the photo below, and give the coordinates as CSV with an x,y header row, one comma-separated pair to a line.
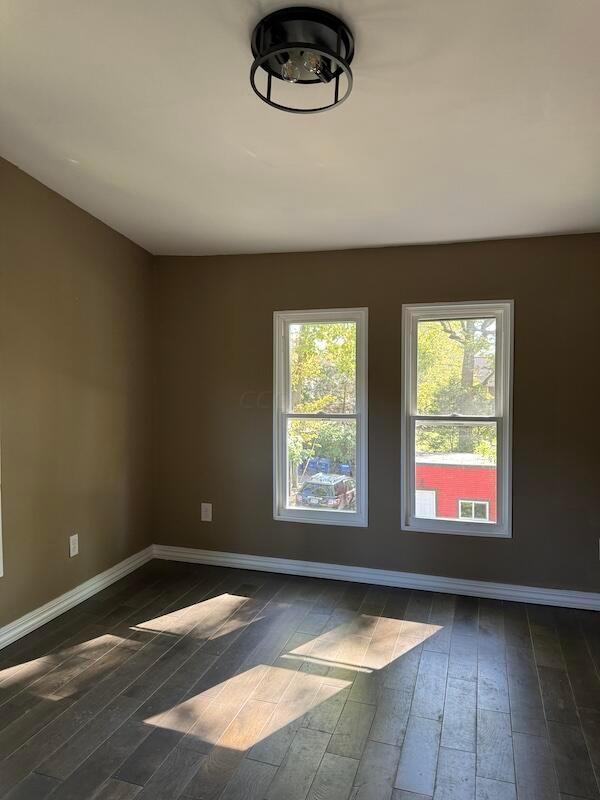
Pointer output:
x,y
469,119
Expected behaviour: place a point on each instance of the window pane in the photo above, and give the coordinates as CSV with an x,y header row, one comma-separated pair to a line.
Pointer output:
x,y
323,367
466,509
456,367
457,460
321,464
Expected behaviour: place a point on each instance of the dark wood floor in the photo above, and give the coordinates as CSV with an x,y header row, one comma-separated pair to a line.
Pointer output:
x,y
201,682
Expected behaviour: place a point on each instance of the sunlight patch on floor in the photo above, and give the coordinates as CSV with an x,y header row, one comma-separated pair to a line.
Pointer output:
x,y
326,662
211,615
418,631
181,716
9,676
311,674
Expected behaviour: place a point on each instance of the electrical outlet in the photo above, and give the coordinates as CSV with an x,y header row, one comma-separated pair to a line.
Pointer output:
x,y
73,545
206,512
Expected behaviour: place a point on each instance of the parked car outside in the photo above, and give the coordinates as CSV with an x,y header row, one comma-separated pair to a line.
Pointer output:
x,y
328,491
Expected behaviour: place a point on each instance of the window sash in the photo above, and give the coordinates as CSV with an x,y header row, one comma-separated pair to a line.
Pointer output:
x,y
412,315
282,412
415,522
467,311
318,416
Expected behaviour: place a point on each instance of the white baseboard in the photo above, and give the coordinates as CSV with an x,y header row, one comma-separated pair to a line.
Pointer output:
x,y
568,598
24,625
409,580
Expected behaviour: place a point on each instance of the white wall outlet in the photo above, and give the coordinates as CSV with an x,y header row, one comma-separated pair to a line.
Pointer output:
x,y
73,545
206,512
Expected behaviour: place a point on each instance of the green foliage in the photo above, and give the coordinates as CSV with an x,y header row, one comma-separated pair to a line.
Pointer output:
x,y
332,439
323,379
455,378
455,360
457,438
323,367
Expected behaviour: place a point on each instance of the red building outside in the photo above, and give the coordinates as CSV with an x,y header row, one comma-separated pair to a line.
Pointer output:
x,y
456,486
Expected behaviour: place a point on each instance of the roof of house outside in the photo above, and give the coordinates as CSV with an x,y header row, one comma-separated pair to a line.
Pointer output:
x,y
456,459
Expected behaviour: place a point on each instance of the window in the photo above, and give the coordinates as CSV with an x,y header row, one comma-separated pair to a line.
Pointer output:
x,y
474,509
320,416
456,405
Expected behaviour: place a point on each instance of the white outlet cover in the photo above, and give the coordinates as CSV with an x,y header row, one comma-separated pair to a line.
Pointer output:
x,y
206,512
73,545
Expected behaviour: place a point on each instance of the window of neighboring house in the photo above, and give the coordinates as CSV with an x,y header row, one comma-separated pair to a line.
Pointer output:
x,y
456,405
320,416
474,509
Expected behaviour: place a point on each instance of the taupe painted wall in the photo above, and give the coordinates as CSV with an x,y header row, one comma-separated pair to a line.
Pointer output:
x,y
74,387
95,336
213,422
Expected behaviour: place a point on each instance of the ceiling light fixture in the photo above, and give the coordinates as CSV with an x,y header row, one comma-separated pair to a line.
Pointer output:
x,y
303,45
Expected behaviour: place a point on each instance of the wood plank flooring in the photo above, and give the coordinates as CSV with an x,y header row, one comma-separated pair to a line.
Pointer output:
x,y
203,683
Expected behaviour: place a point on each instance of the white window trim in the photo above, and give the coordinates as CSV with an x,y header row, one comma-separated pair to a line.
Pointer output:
x,y
281,322
481,502
411,315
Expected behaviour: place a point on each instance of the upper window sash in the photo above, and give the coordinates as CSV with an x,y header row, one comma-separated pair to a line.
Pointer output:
x,y
502,312
283,320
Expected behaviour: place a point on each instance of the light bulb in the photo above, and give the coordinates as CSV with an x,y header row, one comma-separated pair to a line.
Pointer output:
x,y
312,62
290,71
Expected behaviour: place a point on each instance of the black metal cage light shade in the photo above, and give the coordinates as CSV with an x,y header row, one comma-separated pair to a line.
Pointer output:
x,y
306,46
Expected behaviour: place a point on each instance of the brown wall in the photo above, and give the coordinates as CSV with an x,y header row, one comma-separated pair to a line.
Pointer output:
x,y
213,343
83,311
74,367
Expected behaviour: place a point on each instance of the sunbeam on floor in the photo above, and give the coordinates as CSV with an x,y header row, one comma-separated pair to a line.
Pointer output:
x,y
200,682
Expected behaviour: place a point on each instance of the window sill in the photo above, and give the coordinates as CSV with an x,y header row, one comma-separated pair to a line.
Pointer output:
x,y
341,518
473,529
